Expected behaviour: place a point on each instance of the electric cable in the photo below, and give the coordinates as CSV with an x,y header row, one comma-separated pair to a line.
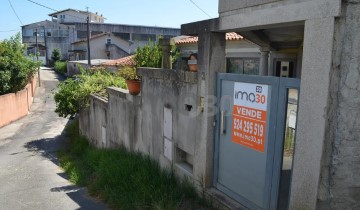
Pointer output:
x,y
200,8
15,12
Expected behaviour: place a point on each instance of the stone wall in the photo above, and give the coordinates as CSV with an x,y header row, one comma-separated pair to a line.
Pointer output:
x,y
340,176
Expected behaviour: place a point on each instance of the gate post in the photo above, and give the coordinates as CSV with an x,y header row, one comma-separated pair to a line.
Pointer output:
x,y
211,59
312,114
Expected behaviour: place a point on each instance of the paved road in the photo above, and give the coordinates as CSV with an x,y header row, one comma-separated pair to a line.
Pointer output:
x,y
30,177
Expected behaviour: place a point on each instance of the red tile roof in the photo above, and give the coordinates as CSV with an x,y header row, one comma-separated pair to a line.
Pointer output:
x,y
124,61
231,36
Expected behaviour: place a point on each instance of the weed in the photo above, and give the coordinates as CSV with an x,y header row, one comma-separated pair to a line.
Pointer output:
x,y
125,180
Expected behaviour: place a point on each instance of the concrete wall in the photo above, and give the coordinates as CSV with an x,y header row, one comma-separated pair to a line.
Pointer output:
x,y
228,5
139,122
340,176
14,106
174,91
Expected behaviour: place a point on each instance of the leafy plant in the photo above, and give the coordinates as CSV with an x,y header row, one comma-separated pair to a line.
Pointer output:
x,y
73,93
15,68
149,56
61,67
56,55
128,73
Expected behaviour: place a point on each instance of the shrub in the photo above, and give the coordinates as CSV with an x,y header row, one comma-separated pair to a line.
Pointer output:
x,y
55,55
61,66
128,73
15,68
73,93
149,56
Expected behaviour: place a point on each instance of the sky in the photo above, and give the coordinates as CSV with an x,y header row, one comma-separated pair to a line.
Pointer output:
x,y
166,13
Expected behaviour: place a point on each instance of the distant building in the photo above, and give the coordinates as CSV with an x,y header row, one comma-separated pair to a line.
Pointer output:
x,y
69,26
103,46
75,16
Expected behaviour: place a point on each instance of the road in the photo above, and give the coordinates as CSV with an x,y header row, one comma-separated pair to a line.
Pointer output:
x,y
30,177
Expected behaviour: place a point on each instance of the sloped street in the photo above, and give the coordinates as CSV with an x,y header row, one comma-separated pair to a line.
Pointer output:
x,y
30,177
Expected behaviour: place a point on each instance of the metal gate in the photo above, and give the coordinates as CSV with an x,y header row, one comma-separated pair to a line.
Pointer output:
x,y
250,137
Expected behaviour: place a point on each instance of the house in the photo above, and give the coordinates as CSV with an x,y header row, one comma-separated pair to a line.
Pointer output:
x,y
69,26
242,56
69,16
103,46
309,54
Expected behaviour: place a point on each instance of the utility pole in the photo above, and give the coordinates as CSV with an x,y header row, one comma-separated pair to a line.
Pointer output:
x,y
46,52
88,36
36,52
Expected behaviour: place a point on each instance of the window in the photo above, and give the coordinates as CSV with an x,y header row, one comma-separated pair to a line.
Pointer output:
x,y
108,41
248,66
143,37
124,36
48,32
28,32
62,16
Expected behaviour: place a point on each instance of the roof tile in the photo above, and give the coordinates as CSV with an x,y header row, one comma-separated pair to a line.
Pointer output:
x,y
231,36
124,61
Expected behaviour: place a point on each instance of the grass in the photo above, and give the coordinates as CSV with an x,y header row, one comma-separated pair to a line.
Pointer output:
x,y
123,179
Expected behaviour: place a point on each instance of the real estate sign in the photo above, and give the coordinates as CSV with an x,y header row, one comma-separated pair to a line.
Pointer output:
x,y
249,115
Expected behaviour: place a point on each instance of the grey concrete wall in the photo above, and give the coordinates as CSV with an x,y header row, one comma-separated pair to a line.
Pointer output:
x,y
340,176
123,117
114,121
137,122
282,12
228,5
174,90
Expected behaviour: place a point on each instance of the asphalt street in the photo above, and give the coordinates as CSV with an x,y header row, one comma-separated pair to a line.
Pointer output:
x,y
30,177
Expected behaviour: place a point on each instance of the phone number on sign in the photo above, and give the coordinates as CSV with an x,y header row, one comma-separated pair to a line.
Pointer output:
x,y
249,127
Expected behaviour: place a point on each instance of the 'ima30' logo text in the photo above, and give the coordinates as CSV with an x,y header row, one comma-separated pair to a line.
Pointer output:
x,y
251,97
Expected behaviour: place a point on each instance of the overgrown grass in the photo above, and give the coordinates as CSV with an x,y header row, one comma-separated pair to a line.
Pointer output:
x,y
125,180
60,66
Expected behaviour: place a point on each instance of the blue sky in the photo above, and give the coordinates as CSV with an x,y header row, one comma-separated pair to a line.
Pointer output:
x,y
168,13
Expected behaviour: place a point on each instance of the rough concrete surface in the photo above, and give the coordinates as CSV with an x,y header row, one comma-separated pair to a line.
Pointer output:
x,y
30,177
344,168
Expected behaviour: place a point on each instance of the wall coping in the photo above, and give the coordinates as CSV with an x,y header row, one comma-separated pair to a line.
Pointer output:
x,y
99,100
124,94
168,74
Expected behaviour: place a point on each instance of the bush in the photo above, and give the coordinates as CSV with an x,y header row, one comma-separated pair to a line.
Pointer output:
x,y
15,68
61,66
149,56
55,55
73,93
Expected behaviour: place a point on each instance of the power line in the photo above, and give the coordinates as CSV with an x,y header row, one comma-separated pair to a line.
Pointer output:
x,y
42,5
15,12
10,30
200,8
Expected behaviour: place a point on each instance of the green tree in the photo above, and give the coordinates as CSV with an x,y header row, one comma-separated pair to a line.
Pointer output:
x,y
15,68
73,93
56,55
